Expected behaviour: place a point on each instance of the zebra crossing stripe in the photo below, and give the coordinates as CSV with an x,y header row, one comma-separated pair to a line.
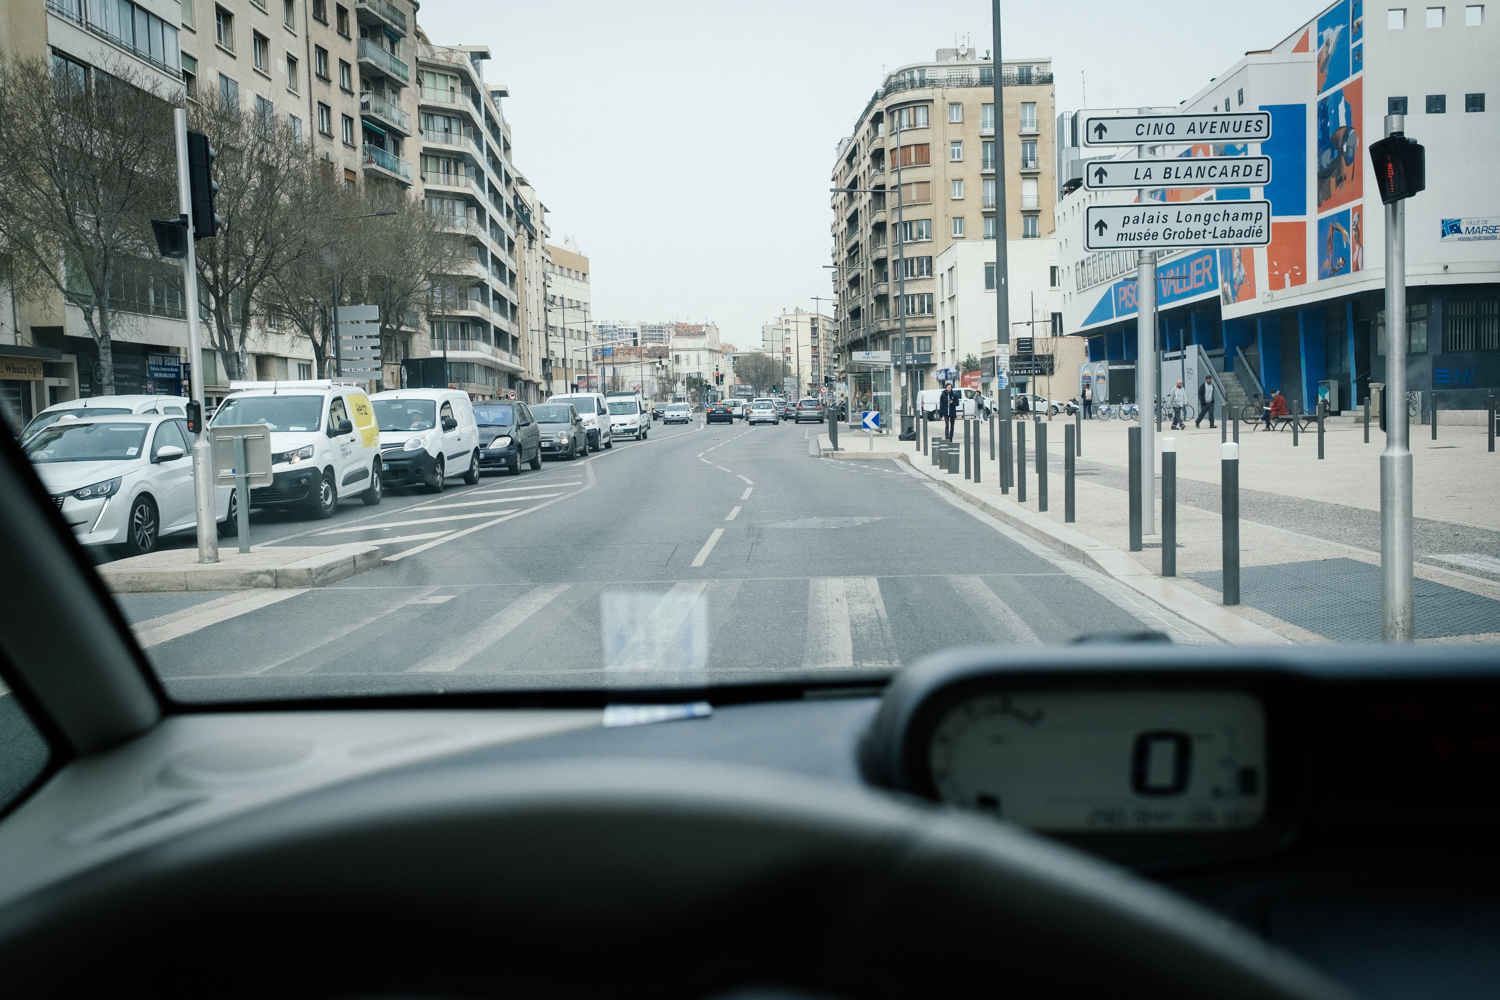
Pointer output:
x,y
838,608
491,630
997,616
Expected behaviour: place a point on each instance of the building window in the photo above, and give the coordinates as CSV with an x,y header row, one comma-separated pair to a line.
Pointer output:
x,y
295,124
289,13
348,130
1434,17
189,16
229,94
320,62
1240,99
342,19
955,111
190,76
912,117
265,114
1416,329
1028,155
1029,227
320,10
1028,116
989,277
1473,15
1052,276
988,198
262,49
1395,105
918,305
987,118
987,156
291,73
224,28
956,150
956,189
1471,325
1437,104
1029,193
990,227
915,267
1395,19
346,76
1057,327
325,119
919,155
1473,102
958,227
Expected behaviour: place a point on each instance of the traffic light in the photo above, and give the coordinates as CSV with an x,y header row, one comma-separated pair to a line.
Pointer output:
x,y
1400,167
194,417
202,185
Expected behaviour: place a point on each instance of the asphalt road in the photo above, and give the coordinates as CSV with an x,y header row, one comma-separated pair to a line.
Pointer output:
x,y
721,553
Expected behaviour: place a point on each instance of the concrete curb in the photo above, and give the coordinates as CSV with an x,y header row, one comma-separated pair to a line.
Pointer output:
x,y
1116,564
177,570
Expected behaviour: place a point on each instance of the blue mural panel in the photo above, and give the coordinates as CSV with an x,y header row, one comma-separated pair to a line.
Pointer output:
x,y
1287,149
1333,47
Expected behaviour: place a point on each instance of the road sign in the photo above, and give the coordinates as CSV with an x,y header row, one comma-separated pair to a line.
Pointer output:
x,y
1025,345
1136,130
511,394
870,420
870,357
1181,226
1179,171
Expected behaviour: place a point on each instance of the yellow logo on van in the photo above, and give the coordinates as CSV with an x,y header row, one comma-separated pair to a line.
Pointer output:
x,y
364,419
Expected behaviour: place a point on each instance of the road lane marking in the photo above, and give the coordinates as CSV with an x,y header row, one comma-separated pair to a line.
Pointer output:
x,y
147,634
734,514
722,469
738,476
990,609
654,643
492,630
480,503
868,619
829,645
708,547
527,489
402,524
327,635
746,495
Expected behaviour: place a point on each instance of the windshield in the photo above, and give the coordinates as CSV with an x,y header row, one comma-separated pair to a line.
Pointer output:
x,y
279,412
551,413
583,404
495,416
48,419
623,406
405,414
86,442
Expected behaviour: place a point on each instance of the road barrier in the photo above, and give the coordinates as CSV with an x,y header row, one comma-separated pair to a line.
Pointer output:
x,y
1229,503
925,422
1134,436
1077,431
1068,461
1169,506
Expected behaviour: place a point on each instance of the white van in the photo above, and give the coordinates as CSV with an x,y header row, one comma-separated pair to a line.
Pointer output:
x,y
594,411
426,436
105,406
324,442
628,415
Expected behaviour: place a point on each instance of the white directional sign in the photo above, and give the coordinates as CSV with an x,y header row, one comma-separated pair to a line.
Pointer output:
x,y
870,420
1134,130
1182,226
1179,171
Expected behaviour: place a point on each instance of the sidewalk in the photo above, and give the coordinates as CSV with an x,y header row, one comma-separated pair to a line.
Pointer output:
x,y
1309,530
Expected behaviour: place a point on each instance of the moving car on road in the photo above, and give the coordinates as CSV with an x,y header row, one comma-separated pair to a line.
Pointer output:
x,y
781,407
676,413
719,413
594,412
104,406
122,480
508,436
627,415
325,442
808,408
762,411
561,429
426,435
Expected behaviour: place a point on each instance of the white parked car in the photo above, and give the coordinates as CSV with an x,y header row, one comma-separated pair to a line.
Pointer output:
x,y
426,436
123,480
325,443
628,416
594,412
105,406
763,411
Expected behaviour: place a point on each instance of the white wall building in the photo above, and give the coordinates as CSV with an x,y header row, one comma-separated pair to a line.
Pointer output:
x,y
966,298
696,350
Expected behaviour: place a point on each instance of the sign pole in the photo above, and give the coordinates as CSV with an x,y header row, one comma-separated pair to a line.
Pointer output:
x,y
1002,285
203,478
1396,621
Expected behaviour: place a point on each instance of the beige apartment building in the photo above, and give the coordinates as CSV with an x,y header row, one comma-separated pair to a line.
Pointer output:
x,y
805,344
930,129
571,340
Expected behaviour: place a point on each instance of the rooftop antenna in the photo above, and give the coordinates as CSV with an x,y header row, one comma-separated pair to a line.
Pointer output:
x,y
1084,83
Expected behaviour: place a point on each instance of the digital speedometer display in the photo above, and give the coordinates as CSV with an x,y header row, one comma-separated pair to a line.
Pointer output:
x,y
1106,761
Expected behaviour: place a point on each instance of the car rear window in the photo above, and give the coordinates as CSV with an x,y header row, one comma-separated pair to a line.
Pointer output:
x,y
583,404
495,415
623,406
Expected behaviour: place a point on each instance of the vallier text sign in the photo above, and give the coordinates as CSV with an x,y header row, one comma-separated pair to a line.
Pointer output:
x,y
1183,226
1133,130
1179,171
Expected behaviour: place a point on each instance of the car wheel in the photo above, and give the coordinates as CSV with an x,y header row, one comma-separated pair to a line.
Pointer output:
x,y
609,442
536,460
326,498
142,526
372,496
436,481
230,526
472,476
573,449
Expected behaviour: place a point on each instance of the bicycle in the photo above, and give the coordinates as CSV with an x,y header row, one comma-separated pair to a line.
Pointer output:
x,y
1129,411
1105,411
1188,411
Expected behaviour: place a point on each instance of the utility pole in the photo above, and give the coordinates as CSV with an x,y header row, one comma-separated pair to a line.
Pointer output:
x,y
1146,389
1002,283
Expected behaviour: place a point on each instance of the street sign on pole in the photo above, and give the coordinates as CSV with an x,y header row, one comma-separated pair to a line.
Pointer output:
x,y
1178,171
870,420
1134,130
1180,226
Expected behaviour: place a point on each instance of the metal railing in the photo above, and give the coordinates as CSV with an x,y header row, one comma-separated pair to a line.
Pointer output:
x,y
385,11
1029,201
386,160
452,180
380,57
76,12
1243,371
372,104
1030,163
1028,126
460,139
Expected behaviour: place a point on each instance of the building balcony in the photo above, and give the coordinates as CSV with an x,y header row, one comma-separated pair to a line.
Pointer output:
x,y
458,140
462,182
372,57
1031,163
1028,126
381,14
385,112
1031,201
987,128
880,249
462,224
385,163
877,217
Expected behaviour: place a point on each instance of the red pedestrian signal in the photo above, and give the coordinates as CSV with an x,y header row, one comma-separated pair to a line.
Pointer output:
x,y
1400,167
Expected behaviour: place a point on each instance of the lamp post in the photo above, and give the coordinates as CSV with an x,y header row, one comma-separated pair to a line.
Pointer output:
x,y
1002,283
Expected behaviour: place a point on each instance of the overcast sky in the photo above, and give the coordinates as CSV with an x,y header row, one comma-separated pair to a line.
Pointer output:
x,y
687,146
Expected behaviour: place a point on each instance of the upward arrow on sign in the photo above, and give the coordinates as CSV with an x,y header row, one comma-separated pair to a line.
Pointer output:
x,y
1100,227
1100,174
1100,131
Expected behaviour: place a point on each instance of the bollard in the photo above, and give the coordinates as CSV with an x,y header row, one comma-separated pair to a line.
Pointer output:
x,y
242,491
1168,506
1134,436
833,430
1020,461
978,451
1078,430
937,450
1068,460
968,474
1223,421
1236,430
1433,419
1322,412
1041,466
925,422
1229,503
952,452
1492,423
1296,412
1367,421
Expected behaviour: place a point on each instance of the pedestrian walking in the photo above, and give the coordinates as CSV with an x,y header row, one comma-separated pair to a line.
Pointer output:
x,y
1179,403
1206,402
1088,402
948,403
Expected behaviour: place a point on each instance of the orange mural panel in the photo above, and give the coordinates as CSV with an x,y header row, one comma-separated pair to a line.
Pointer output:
x,y
1286,257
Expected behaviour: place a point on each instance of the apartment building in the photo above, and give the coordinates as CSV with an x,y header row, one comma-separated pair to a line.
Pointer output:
x,y
805,344
571,340
533,258
696,350
923,154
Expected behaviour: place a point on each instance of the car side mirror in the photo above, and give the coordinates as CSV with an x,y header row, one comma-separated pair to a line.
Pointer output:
x,y
449,423
344,427
168,453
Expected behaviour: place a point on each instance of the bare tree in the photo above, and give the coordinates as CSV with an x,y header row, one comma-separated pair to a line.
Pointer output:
x,y
87,160
761,371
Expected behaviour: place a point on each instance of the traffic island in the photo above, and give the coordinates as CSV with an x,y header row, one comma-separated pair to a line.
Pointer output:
x,y
275,567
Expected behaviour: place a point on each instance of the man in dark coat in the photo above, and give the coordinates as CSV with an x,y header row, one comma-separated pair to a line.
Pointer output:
x,y
1206,402
949,401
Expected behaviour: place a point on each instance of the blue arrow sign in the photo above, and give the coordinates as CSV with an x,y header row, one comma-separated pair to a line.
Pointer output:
x,y
871,420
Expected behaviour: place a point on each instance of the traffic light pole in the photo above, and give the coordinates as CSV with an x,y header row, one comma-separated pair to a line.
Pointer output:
x,y
1002,263
1396,621
203,478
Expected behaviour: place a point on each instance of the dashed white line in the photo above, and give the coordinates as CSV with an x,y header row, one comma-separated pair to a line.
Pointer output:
x,y
708,546
738,476
734,514
748,489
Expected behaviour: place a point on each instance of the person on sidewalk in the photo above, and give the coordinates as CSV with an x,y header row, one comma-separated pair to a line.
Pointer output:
x,y
1088,402
1205,402
949,401
1179,403
1276,409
